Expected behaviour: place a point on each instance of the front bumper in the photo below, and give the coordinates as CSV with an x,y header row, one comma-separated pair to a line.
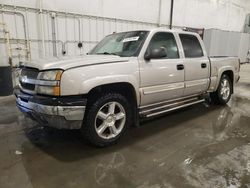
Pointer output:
x,y
57,112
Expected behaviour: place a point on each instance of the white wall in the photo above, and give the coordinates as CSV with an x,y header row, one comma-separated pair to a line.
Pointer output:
x,y
220,14
226,43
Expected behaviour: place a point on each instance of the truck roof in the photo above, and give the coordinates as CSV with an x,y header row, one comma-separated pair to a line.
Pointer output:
x,y
171,30
159,29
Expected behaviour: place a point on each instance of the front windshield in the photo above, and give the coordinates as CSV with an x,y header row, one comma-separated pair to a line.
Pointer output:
x,y
125,44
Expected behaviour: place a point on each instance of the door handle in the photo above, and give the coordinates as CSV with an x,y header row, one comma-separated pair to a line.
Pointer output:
x,y
203,65
180,67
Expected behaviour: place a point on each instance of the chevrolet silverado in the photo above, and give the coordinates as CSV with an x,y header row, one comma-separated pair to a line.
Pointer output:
x,y
124,78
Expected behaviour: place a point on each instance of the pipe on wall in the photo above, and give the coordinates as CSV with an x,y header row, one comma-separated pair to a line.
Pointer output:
x,y
53,28
159,15
7,41
42,27
24,29
52,24
79,29
18,14
171,14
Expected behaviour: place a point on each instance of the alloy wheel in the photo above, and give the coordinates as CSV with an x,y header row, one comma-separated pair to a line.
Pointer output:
x,y
225,89
110,120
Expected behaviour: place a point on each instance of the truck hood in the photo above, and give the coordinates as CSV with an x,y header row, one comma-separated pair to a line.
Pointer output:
x,y
71,62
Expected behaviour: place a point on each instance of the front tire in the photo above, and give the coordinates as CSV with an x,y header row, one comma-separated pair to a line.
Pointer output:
x,y
107,119
223,94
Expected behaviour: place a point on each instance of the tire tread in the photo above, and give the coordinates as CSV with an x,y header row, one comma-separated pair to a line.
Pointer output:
x,y
88,129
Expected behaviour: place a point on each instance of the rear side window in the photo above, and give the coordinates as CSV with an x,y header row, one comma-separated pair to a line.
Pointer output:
x,y
166,41
191,46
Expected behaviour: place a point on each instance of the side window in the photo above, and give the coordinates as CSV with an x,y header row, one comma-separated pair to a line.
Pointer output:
x,y
167,41
191,46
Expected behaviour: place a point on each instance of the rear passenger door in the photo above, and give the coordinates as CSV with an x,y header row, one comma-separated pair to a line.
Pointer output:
x,y
196,65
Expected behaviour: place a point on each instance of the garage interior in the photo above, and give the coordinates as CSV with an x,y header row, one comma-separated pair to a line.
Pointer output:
x,y
204,145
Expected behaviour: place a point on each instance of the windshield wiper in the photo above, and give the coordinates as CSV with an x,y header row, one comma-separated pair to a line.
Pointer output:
x,y
107,53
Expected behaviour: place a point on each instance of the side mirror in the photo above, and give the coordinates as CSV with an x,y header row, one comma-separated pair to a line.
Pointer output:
x,y
156,53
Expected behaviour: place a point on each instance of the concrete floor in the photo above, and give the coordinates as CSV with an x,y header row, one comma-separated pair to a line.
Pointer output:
x,y
200,146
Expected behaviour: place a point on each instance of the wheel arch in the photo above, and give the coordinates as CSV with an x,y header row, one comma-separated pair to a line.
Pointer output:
x,y
230,74
124,88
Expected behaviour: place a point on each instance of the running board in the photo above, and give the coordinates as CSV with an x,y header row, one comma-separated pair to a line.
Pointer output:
x,y
170,107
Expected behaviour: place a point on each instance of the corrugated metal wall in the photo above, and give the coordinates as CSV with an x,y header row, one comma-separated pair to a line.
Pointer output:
x,y
36,30
68,30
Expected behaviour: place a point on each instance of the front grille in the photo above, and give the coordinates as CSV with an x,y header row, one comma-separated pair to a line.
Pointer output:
x,y
28,73
28,86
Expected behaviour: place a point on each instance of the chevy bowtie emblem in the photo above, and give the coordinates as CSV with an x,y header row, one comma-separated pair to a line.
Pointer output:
x,y
24,79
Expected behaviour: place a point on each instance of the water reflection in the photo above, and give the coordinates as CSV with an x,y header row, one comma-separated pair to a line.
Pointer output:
x,y
182,149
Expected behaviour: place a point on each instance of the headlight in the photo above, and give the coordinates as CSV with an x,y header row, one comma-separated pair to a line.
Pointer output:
x,y
50,75
49,82
47,90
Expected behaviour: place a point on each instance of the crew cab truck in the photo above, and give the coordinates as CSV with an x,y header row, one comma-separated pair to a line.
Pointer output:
x,y
125,77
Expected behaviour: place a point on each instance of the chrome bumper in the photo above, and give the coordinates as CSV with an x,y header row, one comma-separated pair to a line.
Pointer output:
x,y
61,117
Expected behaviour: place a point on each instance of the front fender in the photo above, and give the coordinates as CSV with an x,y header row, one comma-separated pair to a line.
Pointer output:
x,y
82,80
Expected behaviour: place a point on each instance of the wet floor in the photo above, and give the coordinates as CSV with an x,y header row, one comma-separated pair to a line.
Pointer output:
x,y
200,146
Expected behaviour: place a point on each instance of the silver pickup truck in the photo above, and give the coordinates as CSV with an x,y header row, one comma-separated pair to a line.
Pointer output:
x,y
126,77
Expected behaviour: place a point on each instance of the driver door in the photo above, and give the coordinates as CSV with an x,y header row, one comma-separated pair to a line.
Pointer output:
x,y
162,79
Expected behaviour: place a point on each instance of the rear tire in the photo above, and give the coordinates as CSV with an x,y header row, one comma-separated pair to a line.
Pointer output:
x,y
223,94
107,119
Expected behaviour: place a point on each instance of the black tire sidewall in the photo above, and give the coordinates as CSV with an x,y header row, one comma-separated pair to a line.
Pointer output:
x,y
93,108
